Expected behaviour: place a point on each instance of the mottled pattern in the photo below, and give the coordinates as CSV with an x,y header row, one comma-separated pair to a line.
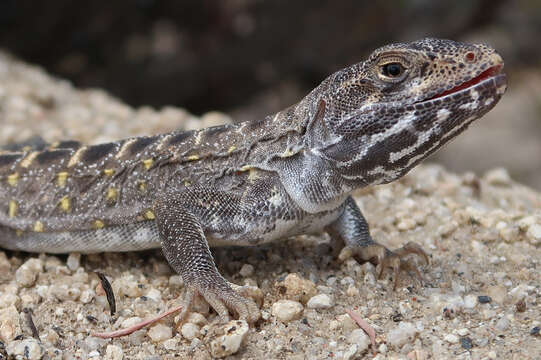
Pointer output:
x,y
254,182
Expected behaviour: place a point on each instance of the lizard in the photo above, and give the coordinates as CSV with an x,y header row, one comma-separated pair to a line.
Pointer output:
x,y
257,181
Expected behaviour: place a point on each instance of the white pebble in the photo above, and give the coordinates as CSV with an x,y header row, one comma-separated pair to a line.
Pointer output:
x,y
27,273
74,261
470,301
498,176
451,338
246,270
160,333
287,310
320,301
463,332
170,344
113,352
28,349
404,333
350,352
359,338
189,331
197,319
87,296
9,323
234,334
8,299
534,234
502,324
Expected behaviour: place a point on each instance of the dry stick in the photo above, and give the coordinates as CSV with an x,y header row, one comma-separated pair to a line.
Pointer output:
x,y
131,329
365,326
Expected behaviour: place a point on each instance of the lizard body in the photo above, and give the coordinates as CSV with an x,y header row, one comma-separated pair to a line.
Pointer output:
x,y
253,182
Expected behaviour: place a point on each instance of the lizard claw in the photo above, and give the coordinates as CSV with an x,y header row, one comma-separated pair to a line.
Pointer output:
x,y
222,298
384,258
396,260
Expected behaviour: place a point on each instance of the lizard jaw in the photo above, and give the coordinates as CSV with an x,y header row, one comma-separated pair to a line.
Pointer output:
x,y
492,73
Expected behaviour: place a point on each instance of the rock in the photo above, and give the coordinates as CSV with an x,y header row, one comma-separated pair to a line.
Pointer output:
x,y
298,289
28,349
287,310
321,301
8,299
350,352
346,322
498,176
246,270
404,333
451,338
27,273
502,324
534,234
234,332
189,331
74,261
359,338
197,319
470,301
160,333
9,323
114,352
170,344
483,299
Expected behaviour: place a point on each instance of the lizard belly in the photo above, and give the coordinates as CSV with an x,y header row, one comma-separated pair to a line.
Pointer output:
x,y
129,237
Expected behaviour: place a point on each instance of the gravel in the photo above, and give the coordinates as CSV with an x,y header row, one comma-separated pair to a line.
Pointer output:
x,y
483,234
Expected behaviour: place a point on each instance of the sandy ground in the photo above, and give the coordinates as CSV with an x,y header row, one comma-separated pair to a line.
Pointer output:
x,y
480,298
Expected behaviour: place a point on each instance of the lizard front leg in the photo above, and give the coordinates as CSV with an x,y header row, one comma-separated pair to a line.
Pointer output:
x,y
351,228
180,218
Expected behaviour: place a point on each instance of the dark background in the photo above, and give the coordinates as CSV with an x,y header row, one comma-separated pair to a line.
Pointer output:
x,y
249,58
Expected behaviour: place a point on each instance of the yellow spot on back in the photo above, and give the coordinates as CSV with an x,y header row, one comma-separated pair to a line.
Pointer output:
x,y
13,207
148,163
28,160
109,172
38,226
187,183
142,186
13,179
231,149
54,145
18,232
287,153
111,195
193,158
252,174
149,215
61,178
65,204
98,224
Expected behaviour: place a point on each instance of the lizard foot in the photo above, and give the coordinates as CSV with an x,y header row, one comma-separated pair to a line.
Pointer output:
x,y
383,257
222,298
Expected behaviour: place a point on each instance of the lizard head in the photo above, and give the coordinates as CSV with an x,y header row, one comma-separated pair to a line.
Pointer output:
x,y
377,119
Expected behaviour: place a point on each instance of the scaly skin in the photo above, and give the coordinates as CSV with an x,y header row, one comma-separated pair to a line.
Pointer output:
x,y
254,182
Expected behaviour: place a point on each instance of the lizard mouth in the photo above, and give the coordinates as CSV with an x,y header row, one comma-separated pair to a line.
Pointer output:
x,y
491,72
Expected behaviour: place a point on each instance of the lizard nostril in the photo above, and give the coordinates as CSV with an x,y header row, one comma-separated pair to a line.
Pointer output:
x,y
470,56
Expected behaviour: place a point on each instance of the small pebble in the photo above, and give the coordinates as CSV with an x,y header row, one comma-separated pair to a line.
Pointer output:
x,y
535,331
28,349
483,299
160,333
463,332
451,338
351,351
321,301
234,334
404,333
287,310
466,343
9,323
170,344
298,288
27,273
534,234
498,176
359,338
189,331
470,301
113,352
502,324
74,261
246,270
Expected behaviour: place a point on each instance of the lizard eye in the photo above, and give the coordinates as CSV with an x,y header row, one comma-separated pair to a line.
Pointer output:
x,y
392,70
